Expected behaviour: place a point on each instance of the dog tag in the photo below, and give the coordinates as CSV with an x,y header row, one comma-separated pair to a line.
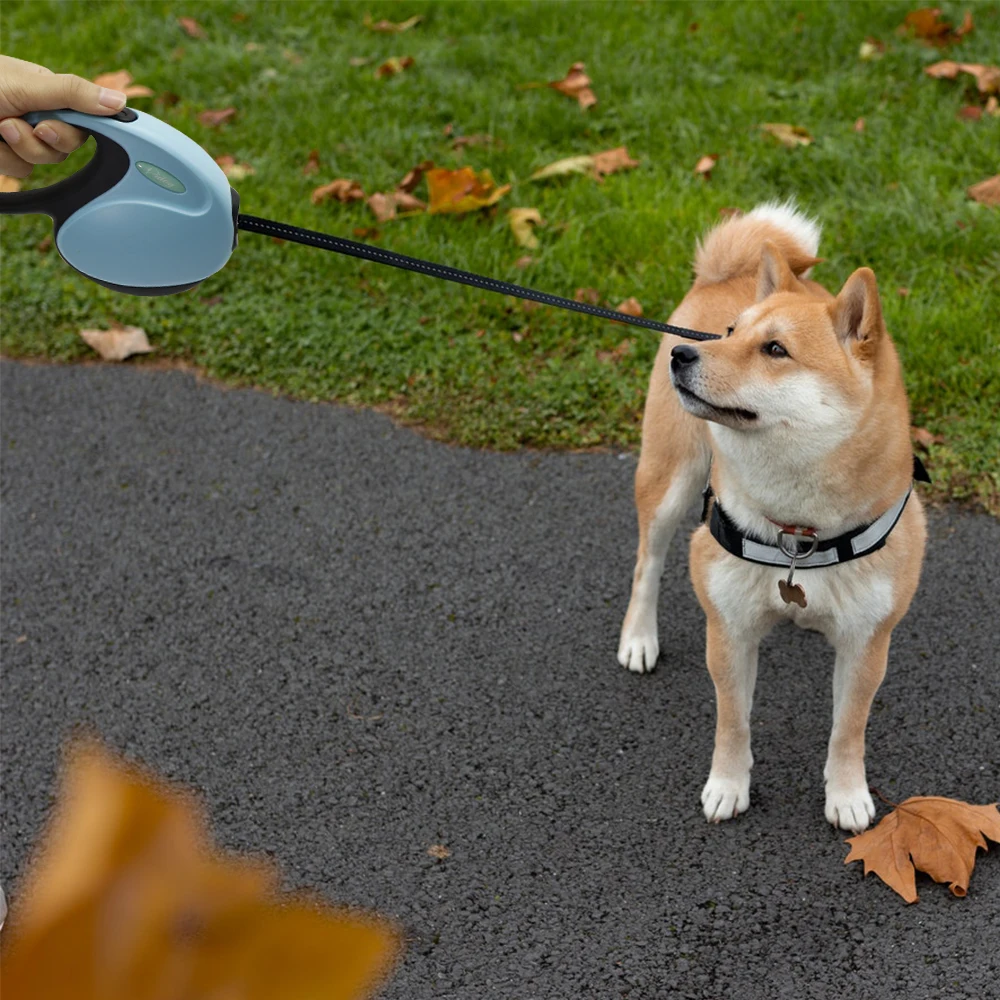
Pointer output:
x,y
793,593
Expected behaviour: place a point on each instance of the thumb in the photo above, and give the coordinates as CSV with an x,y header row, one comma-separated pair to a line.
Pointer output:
x,y
49,91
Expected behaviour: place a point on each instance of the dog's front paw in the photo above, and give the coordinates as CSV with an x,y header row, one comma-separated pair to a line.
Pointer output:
x,y
638,650
849,808
725,798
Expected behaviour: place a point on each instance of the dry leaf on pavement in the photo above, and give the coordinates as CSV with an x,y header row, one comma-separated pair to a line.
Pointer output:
x,y
388,26
122,80
118,343
130,897
439,851
393,65
233,170
342,190
576,84
522,222
935,835
191,27
987,192
462,190
788,135
213,119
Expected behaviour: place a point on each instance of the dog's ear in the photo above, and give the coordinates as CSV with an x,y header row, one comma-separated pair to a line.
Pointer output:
x,y
773,274
857,311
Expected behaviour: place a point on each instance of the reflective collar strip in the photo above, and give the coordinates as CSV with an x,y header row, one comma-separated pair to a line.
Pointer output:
x,y
851,545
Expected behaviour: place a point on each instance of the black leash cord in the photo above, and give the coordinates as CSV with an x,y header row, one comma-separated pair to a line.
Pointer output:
x,y
252,224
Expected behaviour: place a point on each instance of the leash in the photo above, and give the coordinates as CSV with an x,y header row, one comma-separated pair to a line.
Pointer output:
x,y
309,237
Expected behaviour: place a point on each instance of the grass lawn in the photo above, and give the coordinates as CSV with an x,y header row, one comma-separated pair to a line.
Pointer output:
x,y
674,81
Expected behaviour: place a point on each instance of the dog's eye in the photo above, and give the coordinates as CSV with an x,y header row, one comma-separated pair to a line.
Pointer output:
x,y
775,350
729,330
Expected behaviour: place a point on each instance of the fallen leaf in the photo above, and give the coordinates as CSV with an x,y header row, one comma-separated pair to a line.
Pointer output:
x,y
129,897
705,164
191,27
462,190
119,343
616,355
408,202
986,192
788,135
590,295
342,190
312,164
448,129
925,438
167,98
460,142
389,27
438,851
383,206
522,222
122,80
414,176
935,835
631,306
871,49
392,66
576,84
212,119
597,165
233,170
926,24
969,113
21,638
367,233
523,262
8,185
903,292
987,77
859,125
358,61
612,161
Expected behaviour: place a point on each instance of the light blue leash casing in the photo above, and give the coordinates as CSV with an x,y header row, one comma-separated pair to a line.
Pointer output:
x,y
151,213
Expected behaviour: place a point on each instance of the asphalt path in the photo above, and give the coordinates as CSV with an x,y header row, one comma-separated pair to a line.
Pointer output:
x,y
357,644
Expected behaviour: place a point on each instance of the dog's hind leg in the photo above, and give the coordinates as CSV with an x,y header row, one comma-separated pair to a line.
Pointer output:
x,y
668,481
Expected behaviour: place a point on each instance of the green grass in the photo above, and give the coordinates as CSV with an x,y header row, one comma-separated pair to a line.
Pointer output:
x,y
318,326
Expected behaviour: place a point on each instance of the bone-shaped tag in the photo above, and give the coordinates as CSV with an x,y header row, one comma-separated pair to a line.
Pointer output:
x,y
792,593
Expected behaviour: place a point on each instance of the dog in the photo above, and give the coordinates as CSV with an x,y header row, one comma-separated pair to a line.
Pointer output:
x,y
799,415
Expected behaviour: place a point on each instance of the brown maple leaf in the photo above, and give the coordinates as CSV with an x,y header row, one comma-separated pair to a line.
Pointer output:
x,y
935,835
414,176
986,192
191,27
927,25
576,84
987,77
215,118
342,190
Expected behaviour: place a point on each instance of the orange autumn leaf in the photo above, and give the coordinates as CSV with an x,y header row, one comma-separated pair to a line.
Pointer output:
x,y
986,192
934,835
705,164
631,307
128,897
191,27
576,84
392,66
214,118
122,80
463,190
927,25
312,164
342,190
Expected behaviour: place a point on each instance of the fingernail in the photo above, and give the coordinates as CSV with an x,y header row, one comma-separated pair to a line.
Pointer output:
x,y
10,132
46,133
111,99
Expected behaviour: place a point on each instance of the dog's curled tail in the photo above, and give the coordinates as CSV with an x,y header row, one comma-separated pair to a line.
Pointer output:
x,y
733,247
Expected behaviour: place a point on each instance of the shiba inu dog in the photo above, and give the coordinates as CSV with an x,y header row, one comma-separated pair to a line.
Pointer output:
x,y
801,415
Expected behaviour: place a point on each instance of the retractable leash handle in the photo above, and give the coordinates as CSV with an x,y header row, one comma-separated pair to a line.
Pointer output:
x,y
150,214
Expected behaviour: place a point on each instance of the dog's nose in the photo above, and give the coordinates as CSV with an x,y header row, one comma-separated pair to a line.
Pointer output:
x,y
682,356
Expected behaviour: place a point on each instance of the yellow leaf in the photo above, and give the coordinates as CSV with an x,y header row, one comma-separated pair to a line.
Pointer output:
x,y
119,343
463,190
595,164
570,165
522,222
788,135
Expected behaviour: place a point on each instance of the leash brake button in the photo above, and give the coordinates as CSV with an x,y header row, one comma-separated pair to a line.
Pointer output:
x,y
125,115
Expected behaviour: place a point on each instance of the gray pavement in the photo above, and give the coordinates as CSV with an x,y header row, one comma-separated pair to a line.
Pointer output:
x,y
358,643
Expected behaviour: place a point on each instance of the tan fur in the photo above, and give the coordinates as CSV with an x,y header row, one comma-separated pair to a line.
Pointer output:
x,y
749,268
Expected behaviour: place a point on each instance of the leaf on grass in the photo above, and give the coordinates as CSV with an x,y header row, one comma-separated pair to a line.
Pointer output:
x,y
631,306
414,176
312,164
122,80
705,164
358,61
128,896
969,113
233,170
462,190
342,190
522,222
393,65
118,343
987,77
8,185
525,261
576,84
215,118
616,355
986,192
924,438
367,233
591,295
935,835
597,165
871,49
859,125
191,27
788,135
439,851
460,142
927,25
389,27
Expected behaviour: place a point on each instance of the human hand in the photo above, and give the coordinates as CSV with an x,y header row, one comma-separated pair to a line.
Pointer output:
x,y
26,86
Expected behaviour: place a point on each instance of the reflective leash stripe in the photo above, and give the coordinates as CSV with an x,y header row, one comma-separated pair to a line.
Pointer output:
x,y
253,224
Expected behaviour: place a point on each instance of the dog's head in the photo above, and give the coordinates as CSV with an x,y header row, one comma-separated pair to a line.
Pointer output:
x,y
792,361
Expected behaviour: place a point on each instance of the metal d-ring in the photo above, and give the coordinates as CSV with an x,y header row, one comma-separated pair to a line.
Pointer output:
x,y
796,555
